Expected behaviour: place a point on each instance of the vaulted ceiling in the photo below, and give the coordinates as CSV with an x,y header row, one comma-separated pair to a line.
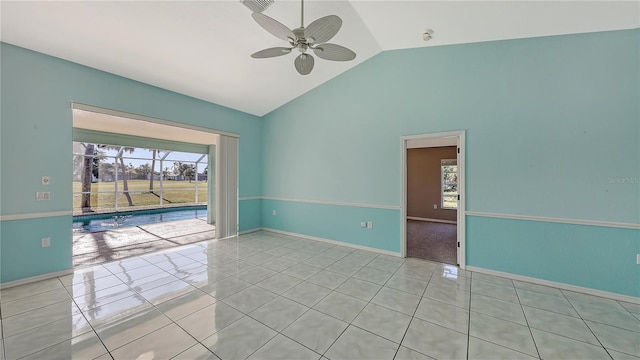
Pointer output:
x,y
202,48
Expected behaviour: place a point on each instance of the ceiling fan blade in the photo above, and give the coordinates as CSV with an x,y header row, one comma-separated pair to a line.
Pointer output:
x,y
334,52
323,29
274,27
271,52
304,63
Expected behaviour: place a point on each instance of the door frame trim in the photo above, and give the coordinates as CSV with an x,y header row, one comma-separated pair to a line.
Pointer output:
x,y
461,235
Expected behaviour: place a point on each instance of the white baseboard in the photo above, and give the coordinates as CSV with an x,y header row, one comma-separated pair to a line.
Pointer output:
x,y
249,231
334,242
35,278
580,289
432,220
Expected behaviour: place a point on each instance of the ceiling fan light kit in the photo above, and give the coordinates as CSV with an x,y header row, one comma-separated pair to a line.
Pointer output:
x,y
314,37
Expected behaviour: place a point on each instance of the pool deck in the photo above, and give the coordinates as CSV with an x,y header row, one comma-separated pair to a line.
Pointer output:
x,y
105,246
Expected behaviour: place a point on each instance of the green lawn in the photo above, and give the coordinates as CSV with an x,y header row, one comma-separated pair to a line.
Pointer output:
x,y
174,193
450,200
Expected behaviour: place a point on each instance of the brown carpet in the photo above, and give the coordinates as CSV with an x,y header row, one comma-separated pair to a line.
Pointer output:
x,y
105,246
432,241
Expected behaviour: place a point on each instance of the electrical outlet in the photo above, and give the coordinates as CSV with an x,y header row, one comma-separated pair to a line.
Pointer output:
x,y
273,212
370,224
46,242
435,206
43,196
363,224
638,259
46,180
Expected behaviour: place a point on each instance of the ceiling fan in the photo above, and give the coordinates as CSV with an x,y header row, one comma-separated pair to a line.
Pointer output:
x,y
314,37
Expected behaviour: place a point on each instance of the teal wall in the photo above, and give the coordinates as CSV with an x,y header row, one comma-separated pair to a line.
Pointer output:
x,y
335,222
552,127
549,123
36,135
250,214
589,256
22,255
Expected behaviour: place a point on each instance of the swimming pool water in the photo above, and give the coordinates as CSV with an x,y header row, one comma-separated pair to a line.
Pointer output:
x,y
95,223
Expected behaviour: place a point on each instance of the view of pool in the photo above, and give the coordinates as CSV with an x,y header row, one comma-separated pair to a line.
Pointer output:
x,y
103,222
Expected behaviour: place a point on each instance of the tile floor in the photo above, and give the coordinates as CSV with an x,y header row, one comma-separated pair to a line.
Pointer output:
x,y
269,296
118,243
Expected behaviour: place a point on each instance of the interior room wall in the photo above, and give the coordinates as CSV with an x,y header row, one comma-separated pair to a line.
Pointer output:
x,y
424,183
545,198
36,137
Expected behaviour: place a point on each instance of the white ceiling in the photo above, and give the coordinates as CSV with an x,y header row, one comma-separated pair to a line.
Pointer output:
x,y
202,48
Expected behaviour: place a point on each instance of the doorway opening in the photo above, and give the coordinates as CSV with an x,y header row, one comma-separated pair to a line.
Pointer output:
x,y
142,184
432,219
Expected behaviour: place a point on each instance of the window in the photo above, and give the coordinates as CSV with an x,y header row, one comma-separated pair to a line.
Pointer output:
x,y
109,178
449,170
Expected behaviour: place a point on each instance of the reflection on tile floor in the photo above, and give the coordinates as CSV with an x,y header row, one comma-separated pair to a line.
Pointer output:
x,y
118,243
270,296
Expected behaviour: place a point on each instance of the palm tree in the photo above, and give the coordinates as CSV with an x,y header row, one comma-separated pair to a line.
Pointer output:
x,y
144,170
89,152
185,170
87,166
153,166
190,172
178,168
125,184
108,171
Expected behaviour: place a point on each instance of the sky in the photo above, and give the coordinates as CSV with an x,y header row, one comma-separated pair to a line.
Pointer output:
x,y
142,156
